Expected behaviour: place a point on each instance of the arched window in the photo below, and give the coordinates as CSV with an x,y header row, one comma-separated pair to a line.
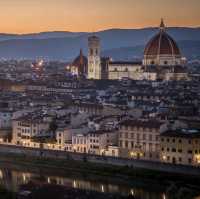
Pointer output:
x,y
152,62
91,51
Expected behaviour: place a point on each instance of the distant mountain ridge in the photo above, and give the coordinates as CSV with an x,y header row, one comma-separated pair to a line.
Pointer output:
x,y
117,43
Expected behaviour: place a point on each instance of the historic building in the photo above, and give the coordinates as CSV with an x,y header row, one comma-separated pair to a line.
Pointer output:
x,y
162,61
141,139
181,146
94,58
79,66
125,69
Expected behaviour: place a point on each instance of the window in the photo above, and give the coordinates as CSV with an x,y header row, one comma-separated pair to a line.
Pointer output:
x,y
168,158
189,141
132,135
157,137
189,151
165,62
180,141
132,145
91,51
180,150
150,137
173,150
152,62
150,147
180,159
113,153
126,144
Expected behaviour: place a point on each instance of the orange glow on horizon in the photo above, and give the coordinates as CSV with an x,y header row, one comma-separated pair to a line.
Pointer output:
x,y
27,16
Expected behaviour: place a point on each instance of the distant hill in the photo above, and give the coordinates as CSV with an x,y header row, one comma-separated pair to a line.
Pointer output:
x,y
189,49
41,35
118,43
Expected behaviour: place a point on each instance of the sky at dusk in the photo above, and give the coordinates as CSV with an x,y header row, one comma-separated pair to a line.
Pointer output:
x,y
25,16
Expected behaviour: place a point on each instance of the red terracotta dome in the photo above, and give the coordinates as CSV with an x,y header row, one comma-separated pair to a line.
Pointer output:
x,y
162,44
81,63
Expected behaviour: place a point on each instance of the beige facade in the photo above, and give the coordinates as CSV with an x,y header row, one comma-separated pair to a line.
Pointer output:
x,y
63,135
120,70
141,139
180,147
24,130
79,143
112,151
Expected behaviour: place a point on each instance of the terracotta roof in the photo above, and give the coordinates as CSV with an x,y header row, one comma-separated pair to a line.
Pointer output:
x,y
140,123
162,44
79,61
186,133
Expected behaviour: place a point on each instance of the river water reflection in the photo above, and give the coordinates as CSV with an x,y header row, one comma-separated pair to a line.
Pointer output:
x,y
12,178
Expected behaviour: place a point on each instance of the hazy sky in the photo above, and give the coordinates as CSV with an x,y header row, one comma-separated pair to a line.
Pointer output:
x,y
22,16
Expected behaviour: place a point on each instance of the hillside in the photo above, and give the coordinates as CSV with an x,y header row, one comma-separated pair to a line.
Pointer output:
x,y
118,43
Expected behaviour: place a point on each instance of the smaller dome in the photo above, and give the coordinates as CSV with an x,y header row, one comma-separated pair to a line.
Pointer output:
x,y
81,60
80,63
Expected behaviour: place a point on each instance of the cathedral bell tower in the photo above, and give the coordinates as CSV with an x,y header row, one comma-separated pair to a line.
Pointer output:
x,y
94,58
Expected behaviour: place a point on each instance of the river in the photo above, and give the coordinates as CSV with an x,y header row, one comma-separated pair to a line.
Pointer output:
x,y
12,176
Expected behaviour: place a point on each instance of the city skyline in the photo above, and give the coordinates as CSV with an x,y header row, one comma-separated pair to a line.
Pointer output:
x,y
91,16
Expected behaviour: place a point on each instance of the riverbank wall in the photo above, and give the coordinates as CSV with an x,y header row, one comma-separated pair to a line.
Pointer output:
x,y
63,155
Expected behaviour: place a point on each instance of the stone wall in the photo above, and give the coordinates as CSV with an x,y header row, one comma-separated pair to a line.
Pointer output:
x,y
157,166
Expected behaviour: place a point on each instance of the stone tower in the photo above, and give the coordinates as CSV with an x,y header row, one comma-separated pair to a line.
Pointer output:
x,y
94,58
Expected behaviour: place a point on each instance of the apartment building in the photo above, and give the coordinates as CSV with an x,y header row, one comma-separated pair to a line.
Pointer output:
x,y
27,127
141,139
181,146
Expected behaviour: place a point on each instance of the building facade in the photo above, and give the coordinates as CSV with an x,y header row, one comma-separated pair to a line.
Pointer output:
x,y
162,60
27,128
141,139
181,146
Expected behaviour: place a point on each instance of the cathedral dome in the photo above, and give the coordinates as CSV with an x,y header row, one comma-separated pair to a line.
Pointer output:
x,y
162,44
162,47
